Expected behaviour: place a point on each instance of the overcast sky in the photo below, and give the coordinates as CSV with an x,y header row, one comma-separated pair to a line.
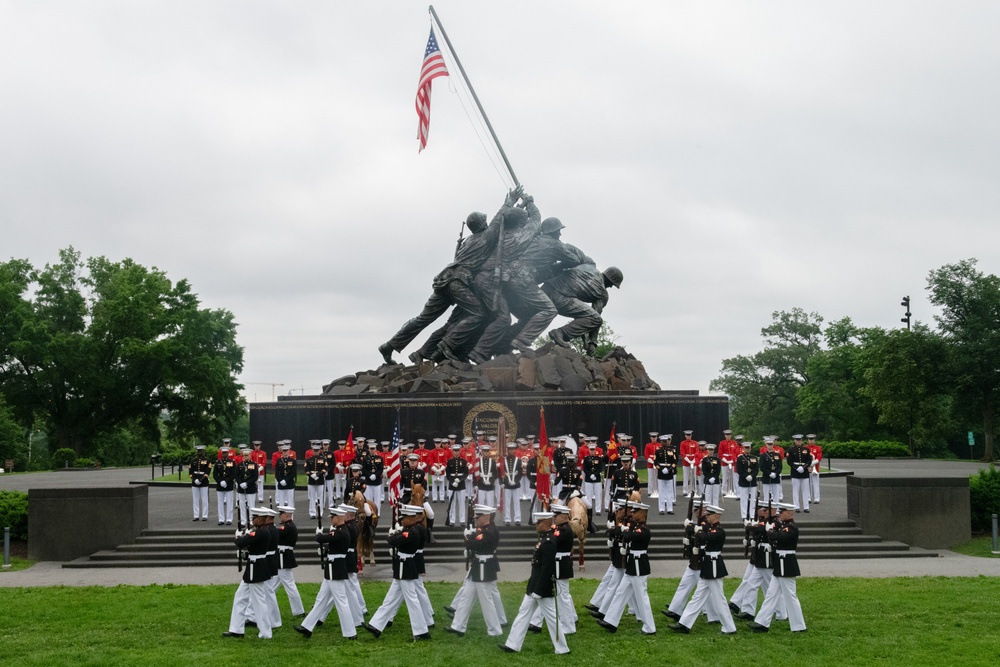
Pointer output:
x,y
732,158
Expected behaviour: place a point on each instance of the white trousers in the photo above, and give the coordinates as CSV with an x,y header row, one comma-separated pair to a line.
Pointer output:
x,y
689,580
425,601
770,493
253,596
437,487
748,498
727,479
689,476
519,627
512,505
814,486
709,594
374,494
284,496
781,592
667,494
224,499
199,500
712,493
260,489
497,601
613,583
595,493
488,497
632,588
483,591
339,482
652,489
244,503
458,507
272,602
567,611
315,497
401,590
800,492
332,593
602,588
287,579
526,488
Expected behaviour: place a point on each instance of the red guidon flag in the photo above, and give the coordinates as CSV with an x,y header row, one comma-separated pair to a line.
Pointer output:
x,y
432,67
612,445
349,447
543,483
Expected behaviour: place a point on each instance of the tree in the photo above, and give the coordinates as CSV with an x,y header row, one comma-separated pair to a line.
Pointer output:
x,y
13,438
833,402
91,351
908,379
970,323
763,387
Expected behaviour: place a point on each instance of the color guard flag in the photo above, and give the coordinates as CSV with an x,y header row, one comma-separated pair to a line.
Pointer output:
x,y
349,448
394,466
543,483
432,68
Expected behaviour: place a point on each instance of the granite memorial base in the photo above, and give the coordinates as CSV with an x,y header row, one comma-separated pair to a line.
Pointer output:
x,y
64,524
926,512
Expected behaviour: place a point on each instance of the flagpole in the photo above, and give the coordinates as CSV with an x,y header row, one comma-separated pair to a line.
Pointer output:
x,y
489,126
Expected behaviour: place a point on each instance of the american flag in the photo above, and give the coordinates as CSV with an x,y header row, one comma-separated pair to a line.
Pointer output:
x,y
394,488
432,68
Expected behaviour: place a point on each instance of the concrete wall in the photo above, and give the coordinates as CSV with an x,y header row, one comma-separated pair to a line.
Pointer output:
x,y
926,512
64,524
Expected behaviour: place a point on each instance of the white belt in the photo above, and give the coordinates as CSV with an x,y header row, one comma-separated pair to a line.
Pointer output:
x,y
402,556
350,549
284,547
271,553
563,554
333,557
781,552
256,557
420,551
483,559
713,554
638,552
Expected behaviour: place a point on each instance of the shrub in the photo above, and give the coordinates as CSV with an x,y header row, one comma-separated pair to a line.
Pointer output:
x,y
863,449
83,462
14,513
984,494
62,456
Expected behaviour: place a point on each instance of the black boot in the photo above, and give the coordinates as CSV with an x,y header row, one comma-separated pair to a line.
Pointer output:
x,y
430,531
590,522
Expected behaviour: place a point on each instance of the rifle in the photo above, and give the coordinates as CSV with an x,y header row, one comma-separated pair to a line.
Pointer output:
x,y
458,244
239,551
322,546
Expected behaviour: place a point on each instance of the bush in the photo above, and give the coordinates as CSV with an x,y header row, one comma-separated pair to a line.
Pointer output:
x,y
863,449
984,494
172,456
83,462
14,513
62,456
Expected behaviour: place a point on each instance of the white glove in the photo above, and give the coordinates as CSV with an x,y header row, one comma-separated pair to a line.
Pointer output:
x,y
282,483
800,469
239,533
454,483
243,485
314,476
371,477
697,529
611,524
223,484
749,478
711,480
536,596
745,543
468,532
319,531
687,522
398,527
774,475
686,542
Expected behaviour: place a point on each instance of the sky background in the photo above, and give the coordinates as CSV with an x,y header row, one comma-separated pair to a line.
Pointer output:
x,y
732,158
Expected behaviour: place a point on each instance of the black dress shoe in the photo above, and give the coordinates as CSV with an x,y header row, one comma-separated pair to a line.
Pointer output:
x,y
422,638
221,522
352,637
302,631
389,624
802,630
229,523
670,614
534,628
454,631
757,627
715,622
744,616
375,631
205,519
670,511
678,627
506,649
598,615
196,518
607,626
450,610
318,623
735,607
237,635
249,624
591,607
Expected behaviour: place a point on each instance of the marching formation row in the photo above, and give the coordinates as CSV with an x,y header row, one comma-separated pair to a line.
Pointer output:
x,y
770,541
504,475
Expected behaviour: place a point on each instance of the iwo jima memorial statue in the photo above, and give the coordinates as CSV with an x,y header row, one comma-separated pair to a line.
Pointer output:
x,y
509,281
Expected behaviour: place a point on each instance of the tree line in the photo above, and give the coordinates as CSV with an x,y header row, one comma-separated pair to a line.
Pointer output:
x,y
110,358
924,386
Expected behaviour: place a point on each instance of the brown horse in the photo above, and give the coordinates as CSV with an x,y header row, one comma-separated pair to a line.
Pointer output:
x,y
578,523
366,527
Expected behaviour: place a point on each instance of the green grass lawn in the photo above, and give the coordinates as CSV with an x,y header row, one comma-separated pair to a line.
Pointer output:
x,y
17,563
979,546
915,621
